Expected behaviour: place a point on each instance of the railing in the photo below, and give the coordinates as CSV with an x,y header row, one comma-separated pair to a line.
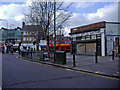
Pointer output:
x,y
38,56
110,51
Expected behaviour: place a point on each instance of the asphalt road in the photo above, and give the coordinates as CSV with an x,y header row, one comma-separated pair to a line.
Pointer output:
x,y
18,73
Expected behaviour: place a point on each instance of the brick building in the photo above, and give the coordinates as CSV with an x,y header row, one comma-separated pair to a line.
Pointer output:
x,y
29,34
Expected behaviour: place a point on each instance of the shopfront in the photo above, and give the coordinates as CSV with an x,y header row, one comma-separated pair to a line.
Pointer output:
x,y
88,45
89,39
100,38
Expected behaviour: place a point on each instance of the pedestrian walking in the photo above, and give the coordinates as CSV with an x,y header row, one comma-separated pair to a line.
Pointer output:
x,y
5,49
11,49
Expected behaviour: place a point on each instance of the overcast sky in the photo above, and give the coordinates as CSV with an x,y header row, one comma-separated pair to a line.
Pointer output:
x,y
84,12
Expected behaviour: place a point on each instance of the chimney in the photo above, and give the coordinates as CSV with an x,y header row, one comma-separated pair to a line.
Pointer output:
x,y
23,24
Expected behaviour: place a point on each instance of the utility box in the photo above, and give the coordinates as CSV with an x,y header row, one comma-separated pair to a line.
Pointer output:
x,y
60,57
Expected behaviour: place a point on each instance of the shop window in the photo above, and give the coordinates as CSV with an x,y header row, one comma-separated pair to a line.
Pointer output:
x,y
88,37
83,38
93,37
78,38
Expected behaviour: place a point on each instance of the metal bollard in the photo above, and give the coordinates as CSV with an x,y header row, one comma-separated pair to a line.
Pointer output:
x,y
27,54
31,55
74,65
43,56
96,59
54,57
21,53
113,55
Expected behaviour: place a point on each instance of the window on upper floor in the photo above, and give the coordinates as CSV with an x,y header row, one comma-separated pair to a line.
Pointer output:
x,y
29,38
29,33
24,33
24,39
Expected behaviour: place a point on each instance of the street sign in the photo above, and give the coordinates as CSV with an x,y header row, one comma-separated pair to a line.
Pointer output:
x,y
53,34
73,47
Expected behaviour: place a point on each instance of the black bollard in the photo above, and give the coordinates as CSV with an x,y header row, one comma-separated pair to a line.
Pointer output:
x,y
113,55
43,56
54,57
27,54
74,65
96,59
21,53
31,54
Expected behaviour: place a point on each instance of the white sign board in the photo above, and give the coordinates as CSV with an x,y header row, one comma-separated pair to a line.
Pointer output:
x,y
43,42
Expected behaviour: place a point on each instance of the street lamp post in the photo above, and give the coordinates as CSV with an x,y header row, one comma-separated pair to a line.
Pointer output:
x,y
4,20
54,29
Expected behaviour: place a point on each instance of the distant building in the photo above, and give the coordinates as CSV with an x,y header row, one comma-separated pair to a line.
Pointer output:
x,y
29,34
28,37
12,36
96,37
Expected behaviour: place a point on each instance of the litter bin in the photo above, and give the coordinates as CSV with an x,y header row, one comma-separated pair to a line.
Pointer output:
x,y
60,57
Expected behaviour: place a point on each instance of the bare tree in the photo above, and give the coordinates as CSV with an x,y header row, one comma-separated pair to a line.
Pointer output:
x,y
41,14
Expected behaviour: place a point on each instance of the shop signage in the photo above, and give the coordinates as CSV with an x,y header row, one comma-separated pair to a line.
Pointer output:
x,y
86,33
89,27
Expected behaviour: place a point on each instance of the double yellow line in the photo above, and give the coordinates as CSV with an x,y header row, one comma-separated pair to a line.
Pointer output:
x,y
94,74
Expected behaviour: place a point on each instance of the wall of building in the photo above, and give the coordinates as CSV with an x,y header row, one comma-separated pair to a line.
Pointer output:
x,y
119,32
111,32
111,29
28,37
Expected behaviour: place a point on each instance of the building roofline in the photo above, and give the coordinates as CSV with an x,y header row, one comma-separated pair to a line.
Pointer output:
x,y
88,24
10,29
98,22
113,22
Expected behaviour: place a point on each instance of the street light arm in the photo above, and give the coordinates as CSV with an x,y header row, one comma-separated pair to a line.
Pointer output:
x,y
4,20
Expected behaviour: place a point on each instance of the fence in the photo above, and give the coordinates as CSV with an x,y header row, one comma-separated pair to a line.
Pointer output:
x,y
38,56
72,60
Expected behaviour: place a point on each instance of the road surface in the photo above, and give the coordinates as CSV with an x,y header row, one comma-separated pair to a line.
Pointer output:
x,y
17,73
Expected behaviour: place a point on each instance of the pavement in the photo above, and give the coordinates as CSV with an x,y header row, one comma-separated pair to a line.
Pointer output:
x,y
105,66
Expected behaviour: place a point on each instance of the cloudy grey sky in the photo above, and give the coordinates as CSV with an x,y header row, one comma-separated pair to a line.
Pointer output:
x,y
84,12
